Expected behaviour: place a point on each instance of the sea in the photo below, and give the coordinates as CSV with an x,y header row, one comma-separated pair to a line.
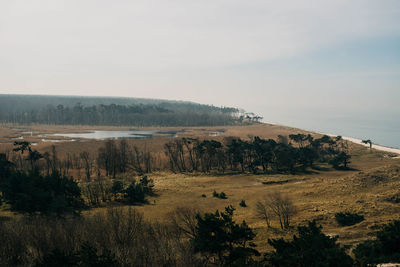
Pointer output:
x,y
381,127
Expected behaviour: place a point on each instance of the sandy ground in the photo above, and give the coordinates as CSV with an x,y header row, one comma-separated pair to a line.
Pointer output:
x,y
377,147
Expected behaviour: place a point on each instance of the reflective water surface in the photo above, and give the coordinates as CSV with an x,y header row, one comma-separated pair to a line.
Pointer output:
x,y
103,135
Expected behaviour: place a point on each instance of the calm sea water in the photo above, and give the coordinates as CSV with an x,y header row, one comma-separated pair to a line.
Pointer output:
x,y
382,127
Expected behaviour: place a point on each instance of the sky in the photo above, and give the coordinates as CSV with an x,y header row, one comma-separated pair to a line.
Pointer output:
x,y
259,55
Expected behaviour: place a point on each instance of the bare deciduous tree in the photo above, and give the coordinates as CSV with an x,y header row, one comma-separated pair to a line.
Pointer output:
x,y
184,220
87,163
123,152
283,207
136,160
263,212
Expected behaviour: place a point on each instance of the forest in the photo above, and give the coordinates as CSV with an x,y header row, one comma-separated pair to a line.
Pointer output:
x,y
57,110
296,153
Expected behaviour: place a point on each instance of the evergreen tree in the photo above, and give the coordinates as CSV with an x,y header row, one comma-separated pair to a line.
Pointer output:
x,y
386,247
218,235
310,248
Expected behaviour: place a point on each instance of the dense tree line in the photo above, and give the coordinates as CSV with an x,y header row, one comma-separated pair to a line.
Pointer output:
x,y
294,154
256,155
96,111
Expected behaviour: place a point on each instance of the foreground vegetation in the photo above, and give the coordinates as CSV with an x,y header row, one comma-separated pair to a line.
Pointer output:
x,y
122,237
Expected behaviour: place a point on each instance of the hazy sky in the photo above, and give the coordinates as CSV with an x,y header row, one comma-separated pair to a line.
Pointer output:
x,y
247,53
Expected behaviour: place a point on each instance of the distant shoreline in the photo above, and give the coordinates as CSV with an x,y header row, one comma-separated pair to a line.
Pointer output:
x,y
374,146
351,139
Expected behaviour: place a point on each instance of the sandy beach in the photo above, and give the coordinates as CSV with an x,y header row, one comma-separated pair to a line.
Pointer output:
x,y
374,146
351,139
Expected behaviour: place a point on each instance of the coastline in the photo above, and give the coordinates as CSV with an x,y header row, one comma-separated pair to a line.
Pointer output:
x,y
353,140
374,146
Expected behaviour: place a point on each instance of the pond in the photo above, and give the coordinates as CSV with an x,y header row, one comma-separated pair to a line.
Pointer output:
x,y
104,135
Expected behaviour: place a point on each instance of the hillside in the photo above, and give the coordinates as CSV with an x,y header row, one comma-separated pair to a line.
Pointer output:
x,y
78,110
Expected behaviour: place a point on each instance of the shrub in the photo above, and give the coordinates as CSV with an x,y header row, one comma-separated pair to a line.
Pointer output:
x,y
203,195
86,256
310,248
117,187
221,195
148,185
386,247
242,204
215,194
347,218
135,193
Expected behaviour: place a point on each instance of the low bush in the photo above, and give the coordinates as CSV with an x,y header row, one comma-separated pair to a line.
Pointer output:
x,y
87,256
310,248
221,195
347,218
384,249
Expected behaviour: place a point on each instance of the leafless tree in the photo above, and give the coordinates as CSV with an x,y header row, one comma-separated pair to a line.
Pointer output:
x,y
77,164
87,164
263,212
54,159
136,160
109,158
190,144
123,155
183,219
173,154
147,158
46,157
283,207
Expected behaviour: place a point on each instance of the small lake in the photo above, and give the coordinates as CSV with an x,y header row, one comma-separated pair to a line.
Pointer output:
x,y
130,134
